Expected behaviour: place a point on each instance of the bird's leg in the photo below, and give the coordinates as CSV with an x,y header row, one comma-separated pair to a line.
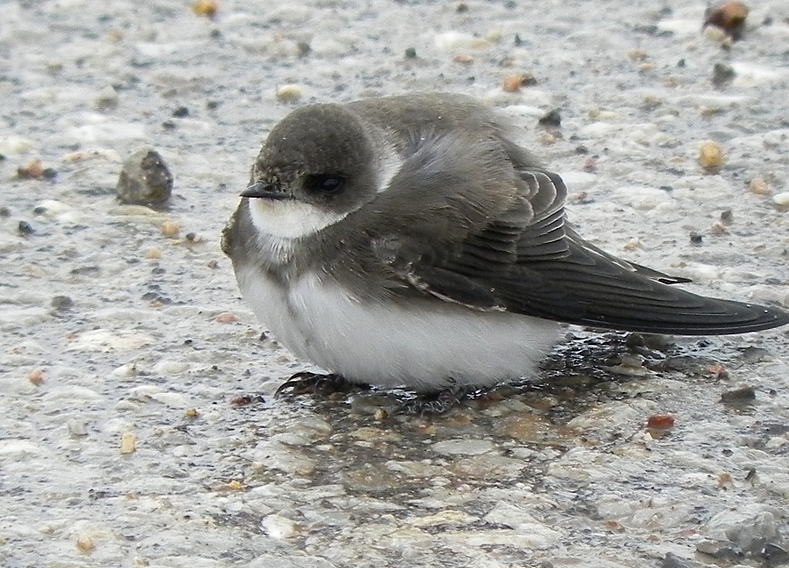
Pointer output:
x,y
306,382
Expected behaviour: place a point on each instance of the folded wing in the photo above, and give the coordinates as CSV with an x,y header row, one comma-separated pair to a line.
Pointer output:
x,y
528,260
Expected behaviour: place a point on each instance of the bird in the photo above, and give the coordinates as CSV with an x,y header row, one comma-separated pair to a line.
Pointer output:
x,y
410,241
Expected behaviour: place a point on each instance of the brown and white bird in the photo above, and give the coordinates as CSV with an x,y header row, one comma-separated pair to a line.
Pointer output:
x,y
408,241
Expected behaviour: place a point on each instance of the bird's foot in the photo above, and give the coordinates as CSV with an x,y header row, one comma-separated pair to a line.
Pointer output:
x,y
438,402
312,383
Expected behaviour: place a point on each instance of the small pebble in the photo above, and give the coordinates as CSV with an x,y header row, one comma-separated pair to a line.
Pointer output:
x,y
718,228
5,212
464,59
410,53
781,199
710,156
144,179
739,395
661,421
722,74
673,561
169,229
36,377
181,112
85,543
278,527
718,371
128,443
728,16
775,555
206,8
462,8
62,303
696,238
551,119
152,254
454,40
31,170
759,186
288,93
513,83
25,228
226,317
77,427
637,54
107,99
726,217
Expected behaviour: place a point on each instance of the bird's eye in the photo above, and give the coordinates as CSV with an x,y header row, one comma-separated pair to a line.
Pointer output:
x,y
326,184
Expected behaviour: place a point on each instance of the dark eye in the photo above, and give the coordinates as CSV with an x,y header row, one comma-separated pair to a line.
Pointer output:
x,y
326,184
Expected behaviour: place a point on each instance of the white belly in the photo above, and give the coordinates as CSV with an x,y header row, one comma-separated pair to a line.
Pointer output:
x,y
426,347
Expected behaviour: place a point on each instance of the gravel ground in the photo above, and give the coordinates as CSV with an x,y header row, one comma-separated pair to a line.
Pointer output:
x,y
137,426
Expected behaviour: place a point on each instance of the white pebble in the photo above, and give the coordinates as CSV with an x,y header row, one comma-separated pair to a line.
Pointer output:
x,y
77,427
459,40
781,198
171,367
15,145
144,393
173,399
127,370
278,527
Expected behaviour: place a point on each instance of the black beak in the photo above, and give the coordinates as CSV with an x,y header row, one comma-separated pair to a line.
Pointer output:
x,y
265,190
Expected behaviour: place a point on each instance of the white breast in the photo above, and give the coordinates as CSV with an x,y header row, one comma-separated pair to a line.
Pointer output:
x,y
424,347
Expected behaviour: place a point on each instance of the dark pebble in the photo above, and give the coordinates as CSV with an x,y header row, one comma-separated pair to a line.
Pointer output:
x,y
212,105
181,112
722,74
5,212
62,303
740,395
696,238
49,173
552,118
719,549
25,228
462,8
726,217
90,270
304,48
144,179
168,125
673,561
410,53
775,555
